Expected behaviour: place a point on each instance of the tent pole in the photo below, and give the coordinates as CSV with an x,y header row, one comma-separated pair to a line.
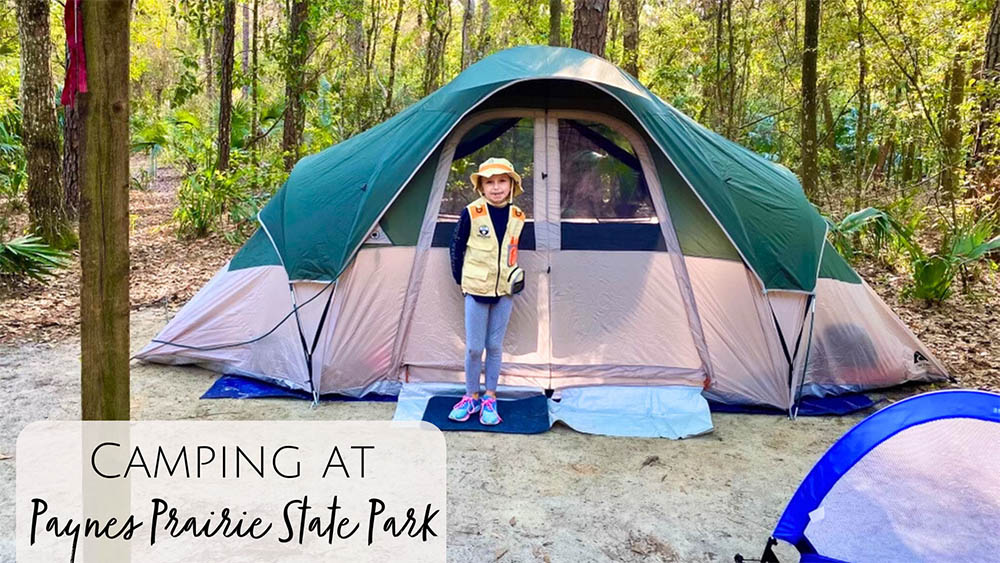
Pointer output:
x,y
306,349
805,362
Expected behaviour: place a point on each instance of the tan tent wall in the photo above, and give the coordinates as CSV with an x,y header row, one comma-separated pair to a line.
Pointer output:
x,y
237,306
859,343
746,356
362,327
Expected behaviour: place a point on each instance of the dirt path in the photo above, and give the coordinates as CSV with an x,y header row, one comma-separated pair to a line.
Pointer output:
x,y
558,496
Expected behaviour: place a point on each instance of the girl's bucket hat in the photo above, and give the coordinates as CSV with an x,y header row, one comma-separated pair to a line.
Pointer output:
x,y
494,166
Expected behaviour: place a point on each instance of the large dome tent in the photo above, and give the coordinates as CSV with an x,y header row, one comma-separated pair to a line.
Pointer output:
x,y
657,253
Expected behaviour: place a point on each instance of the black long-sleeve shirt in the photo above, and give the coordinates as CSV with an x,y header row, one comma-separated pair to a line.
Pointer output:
x,y
460,238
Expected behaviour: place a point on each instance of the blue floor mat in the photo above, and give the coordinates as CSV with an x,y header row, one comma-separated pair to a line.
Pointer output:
x,y
529,415
239,387
809,406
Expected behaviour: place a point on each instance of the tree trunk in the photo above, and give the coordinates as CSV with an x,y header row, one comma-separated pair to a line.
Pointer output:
x,y
356,31
555,23
590,25
392,59
468,14
986,143
39,131
810,157
906,174
484,29
860,130
298,41
372,34
226,84
206,44
437,35
72,137
879,171
630,36
254,97
830,137
245,59
951,131
104,260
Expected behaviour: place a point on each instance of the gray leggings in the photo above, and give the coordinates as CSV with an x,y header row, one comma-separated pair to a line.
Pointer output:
x,y
485,326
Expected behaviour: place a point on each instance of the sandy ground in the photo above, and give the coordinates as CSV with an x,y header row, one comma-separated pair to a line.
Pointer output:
x,y
557,496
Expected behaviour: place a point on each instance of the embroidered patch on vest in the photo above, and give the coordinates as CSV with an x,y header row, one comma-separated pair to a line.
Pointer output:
x,y
484,231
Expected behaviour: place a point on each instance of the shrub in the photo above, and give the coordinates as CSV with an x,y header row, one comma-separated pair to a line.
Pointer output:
x,y
932,274
28,256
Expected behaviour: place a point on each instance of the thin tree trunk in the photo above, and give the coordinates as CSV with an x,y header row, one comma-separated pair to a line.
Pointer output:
x,y
951,137
245,58
372,34
830,137
206,43
40,132
298,41
630,36
731,112
882,158
356,31
590,25
484,29
104,259
906,175
986,143
392,59
555,23
810,157
437,36
226,83
254,96
468,14
860,130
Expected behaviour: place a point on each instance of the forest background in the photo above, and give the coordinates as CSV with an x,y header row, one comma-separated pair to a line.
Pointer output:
x,y
888,110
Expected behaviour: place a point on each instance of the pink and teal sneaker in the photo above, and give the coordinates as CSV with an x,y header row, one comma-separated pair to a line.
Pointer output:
x,y
488,413
465,408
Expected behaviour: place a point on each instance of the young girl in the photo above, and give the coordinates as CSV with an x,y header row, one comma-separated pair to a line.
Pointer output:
x,y
484,263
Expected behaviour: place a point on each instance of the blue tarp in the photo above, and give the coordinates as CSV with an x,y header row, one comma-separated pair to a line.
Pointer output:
x,y
839,405
239,387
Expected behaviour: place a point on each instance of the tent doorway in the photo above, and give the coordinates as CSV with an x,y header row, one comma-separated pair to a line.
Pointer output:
x,y
598,247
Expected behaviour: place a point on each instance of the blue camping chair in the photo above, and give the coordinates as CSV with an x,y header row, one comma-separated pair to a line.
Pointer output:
x,y
916,481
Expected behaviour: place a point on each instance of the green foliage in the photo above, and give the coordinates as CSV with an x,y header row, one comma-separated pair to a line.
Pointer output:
x,y
969,242
933,273
211,200
202,200
186,86
13,164
871,222
29,257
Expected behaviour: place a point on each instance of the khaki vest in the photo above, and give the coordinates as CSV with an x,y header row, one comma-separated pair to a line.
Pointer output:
x,y
488,263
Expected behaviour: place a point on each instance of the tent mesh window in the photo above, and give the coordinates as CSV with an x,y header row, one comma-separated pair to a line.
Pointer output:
x,y
510,138
934,480
603,194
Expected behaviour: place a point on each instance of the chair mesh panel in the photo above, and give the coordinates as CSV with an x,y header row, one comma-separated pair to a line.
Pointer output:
x,y
929,493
